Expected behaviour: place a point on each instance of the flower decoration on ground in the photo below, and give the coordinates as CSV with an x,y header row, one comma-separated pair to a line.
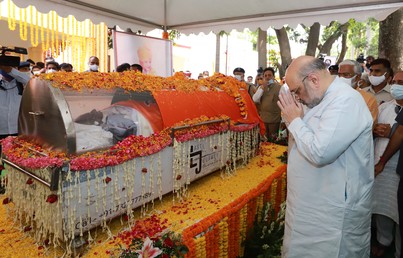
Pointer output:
x,y
266,237
150,238
148,251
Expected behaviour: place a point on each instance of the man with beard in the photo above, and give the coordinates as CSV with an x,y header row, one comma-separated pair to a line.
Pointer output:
x,y
330,170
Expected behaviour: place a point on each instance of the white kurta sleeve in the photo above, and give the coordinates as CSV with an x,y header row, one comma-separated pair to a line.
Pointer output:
x,y
258,94
333,130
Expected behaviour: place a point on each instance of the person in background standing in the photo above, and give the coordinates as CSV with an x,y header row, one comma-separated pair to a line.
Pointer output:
x,y
36,70
136,67
93,64
333,69
380,73
66,67
52,67
12,84
123,67
386,182
267,96
239,74
396,142
24,67
350,72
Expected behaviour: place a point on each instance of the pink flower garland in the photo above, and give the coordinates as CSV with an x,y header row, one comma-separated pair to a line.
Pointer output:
x,y
130,148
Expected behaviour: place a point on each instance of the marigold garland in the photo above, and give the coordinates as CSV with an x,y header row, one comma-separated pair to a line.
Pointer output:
x,y
221,216
23,24
11,16
34,36
133,81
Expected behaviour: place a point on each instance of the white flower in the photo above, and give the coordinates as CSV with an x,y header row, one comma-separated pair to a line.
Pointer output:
x,y
148,250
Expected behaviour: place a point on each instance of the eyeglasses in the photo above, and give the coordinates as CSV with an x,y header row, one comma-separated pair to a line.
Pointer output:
x,y
295,92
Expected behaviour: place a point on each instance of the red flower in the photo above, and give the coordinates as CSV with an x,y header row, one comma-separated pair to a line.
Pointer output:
x,y
1,167
178,177
51,198
168,242
27,228
108,179
6,200
144,170
164,256
30,181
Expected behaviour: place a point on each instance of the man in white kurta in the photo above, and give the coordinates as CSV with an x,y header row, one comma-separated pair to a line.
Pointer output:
x,y
330,165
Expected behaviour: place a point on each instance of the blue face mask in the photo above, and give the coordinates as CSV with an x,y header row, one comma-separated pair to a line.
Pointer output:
x,y
396,91
271,81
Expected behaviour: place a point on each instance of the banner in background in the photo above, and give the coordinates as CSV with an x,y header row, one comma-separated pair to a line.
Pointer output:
x,y
153,54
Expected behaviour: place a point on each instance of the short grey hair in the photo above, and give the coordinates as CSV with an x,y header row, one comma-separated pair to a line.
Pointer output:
x,y
357,66
315,65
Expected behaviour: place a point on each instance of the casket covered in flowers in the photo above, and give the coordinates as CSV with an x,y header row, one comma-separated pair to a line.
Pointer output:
x,y
93,146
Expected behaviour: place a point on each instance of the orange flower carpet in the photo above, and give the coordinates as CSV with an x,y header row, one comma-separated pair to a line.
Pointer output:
x,y
213,219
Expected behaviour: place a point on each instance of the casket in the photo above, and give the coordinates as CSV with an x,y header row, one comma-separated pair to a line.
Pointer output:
x,y
85,155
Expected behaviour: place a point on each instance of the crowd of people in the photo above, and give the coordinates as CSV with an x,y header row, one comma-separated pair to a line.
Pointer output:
x,y
345,129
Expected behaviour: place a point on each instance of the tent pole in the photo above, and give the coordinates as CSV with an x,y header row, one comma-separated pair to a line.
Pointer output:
x,y
165,32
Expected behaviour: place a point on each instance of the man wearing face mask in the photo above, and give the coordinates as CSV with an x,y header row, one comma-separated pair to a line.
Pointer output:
x,y
24,67
350,73
387,181
239,74
12,83
267,96
93,64
379,76
52,67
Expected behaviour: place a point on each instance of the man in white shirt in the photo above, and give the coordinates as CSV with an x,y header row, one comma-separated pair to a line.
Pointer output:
x,y
330,171
11,87
379,76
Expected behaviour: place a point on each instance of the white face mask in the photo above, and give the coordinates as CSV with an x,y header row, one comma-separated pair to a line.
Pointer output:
x,y
396,91
349,81
36,72
93,67
28,73
238,77
376,80
51,71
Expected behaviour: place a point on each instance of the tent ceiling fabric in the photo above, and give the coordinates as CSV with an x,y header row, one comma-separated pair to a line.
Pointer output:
x,y
190,16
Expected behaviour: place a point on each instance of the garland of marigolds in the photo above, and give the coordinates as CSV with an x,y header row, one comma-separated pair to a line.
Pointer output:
x,y
133,81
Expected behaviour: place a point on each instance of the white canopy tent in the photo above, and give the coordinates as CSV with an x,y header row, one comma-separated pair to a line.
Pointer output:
x,y
190,16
